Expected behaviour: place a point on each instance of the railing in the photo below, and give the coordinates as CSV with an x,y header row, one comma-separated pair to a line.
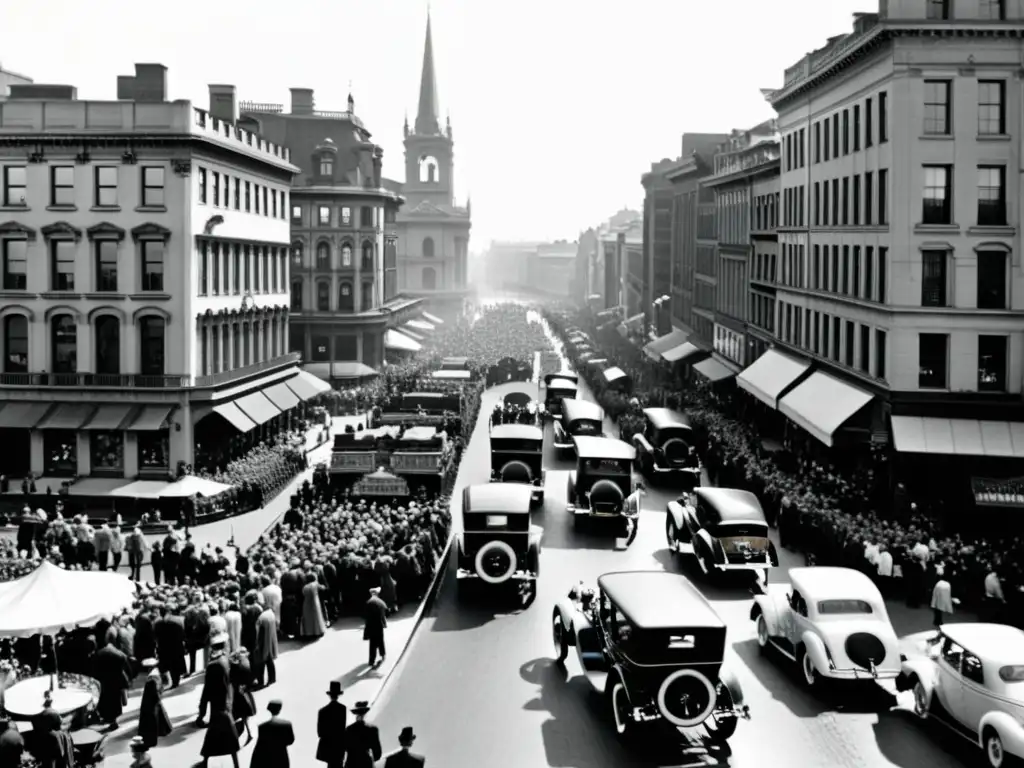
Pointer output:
x,y
95,380
336,114
207,123
223,377
262,107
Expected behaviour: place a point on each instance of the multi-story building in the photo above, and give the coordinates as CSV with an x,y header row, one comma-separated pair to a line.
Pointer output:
x,y
611,239
657,232
144,307
705,271
764,251
346,310
506,265
586,254
551,268
8,78
901,228
634,280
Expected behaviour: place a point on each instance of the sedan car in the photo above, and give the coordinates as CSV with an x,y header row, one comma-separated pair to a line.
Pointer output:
x,y
971,679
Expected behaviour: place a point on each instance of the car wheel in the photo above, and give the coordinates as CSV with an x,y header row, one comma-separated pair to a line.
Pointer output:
x,y
920,700
558,639
671,532
622,715
810,674
994,748
723,721
763,639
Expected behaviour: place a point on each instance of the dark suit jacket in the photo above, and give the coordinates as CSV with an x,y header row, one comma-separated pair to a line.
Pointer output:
x,y
12,746
403,759
362,745
376,618
330,728
272,742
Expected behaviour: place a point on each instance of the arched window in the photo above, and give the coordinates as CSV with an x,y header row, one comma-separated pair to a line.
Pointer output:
x,y
151,345
323,296
428,247
326,164
428,169
323,255
296,255
64,344
346,302
15,344
108,344
367,264
296,304
366,299
429,279
346,255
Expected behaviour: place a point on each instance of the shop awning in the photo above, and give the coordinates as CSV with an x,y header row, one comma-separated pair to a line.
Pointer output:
x,y
420,325
68,416
681,353
307,386
713,370
22,415
109,418
232,414
257,406
152,419
395,340
958,437
768,376
352,369
665,343
822,404
432,318
416,335
281,396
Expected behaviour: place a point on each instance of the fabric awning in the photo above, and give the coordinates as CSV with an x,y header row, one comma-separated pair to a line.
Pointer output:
x,y
432,318
152,419
614,374
22,415
307,386
664,343
420,325
682,353
281,396
68,416
395,340
768,376
958,437
822,404
713,370
109,418
257,406
352,369
231,413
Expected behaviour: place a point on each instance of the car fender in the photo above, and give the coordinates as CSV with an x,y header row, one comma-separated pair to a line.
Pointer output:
x,y
641,444
914,670
1010,731
773,554
713,546
675,511
765,605
730,681
572,619
814,646
535,535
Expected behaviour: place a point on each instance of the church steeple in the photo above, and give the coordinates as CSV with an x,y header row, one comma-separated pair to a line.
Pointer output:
x,y
427,117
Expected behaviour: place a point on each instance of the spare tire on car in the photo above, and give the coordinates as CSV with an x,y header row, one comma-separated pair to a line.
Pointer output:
x,y
864,649
606,496
516,472
495,562
686,698
675,450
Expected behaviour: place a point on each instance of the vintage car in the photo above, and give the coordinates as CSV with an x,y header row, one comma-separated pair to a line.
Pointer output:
x,y
557,387
832,622
498,542
580,418
517,456
665,447
602,487
455,364
618,380
653,646
724,529
970,678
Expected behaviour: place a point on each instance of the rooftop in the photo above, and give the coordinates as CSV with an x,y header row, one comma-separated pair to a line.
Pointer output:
x,y
659,600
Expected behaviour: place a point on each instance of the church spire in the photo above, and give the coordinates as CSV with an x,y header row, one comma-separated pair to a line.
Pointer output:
x,y
427,116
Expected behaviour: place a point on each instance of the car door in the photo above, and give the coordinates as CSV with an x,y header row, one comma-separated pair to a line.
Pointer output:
x,y
949,689
788,628
976,701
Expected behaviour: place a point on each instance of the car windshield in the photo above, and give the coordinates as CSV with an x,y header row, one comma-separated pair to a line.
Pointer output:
x,y
607,466
844,607
584,427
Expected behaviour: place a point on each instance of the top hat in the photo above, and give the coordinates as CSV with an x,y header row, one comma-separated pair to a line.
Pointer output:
x,y
274,706
407,736
334,691
361,708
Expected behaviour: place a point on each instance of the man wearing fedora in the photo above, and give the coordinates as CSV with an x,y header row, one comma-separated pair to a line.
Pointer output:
x,y
274,738
362,740
403,758
376,622
331,722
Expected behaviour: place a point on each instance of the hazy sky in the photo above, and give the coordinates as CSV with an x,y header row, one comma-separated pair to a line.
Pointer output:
x,y
558,106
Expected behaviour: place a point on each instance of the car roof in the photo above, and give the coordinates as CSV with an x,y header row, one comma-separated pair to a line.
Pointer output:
x,y
732,504
563,374
517,432
504,498
560,383
659,600
666,417
998,643
827,582
574,408
614,373
588,447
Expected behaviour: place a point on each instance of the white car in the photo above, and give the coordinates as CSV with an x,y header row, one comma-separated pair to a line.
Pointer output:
x,y
832,622
972,680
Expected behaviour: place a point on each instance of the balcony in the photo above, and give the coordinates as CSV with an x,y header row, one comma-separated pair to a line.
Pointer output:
x,y
224,377
94,380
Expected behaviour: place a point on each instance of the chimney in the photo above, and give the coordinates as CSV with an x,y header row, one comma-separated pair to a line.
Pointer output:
x,y
149,83
302,101
224,103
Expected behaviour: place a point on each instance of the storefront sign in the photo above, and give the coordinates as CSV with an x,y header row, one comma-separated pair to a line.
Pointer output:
x,y
730,344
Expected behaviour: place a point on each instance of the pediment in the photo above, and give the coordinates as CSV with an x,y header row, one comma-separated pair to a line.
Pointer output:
x,y
105,231
17,229
61,229
151,230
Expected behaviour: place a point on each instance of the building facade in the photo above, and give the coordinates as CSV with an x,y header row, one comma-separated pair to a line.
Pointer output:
x,y
144,249
657,233
586,254
551,269
764,246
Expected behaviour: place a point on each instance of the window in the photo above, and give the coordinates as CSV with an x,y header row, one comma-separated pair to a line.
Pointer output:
x,y
236,270
346,255
62,185
64,344
991,195
216,188
62,265
934,278
817,142
366,216
201,183
153,186
366,298
346,216
323,256
346,301
256,198
846,131
938,191
824,203
869,198
367,262
865,349
429,279
60,452
296,299
880,353
933,351
937,10
326,166
846,201
883,197
15,253
153,265
835,202
238,194
991,107
324,216
856,127
827,135
151,346
108,344
883,274
992,9
817,204
835,135
869,138
883,117
154,451
15,344
297,214
15,185
992,279
204,273
992,363
266,207
323,296
856,200
856,273
106,266
106,451
248,197
937,108
105,193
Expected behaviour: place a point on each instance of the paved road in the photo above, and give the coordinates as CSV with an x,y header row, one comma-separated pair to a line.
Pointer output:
x,y
479,686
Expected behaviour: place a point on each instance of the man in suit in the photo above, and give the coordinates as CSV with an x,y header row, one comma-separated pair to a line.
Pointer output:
x,y
266,648
12,745
376,620
362,740
403,758
170,643
273,740
330,728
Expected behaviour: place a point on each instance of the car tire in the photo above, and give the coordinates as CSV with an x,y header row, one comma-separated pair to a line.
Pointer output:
x,y
763,638
920,700
618,706
671,533
558,639
995,754
808,673
722,728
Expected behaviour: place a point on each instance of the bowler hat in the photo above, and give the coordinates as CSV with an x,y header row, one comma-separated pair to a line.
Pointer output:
x,y
334,691
274,706
361,708
407,736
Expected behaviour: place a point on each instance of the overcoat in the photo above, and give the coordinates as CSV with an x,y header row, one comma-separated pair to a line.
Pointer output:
x,y
114,674
266,636
331,722
272,742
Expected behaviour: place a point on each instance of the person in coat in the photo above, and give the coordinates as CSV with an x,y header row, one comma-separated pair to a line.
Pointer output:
x,y
403,758
362,740
250,613
154,723
312,625
233,619
221,737
266,648
376,620
169,631
388,588
942,599
12,745
244,705
113,670
275,736
331,722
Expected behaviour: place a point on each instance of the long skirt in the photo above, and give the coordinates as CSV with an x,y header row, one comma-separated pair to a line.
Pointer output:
x,y
221,735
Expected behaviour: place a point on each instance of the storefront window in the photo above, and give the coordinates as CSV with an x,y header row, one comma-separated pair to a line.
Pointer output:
x,y
154,450
60,452
106,451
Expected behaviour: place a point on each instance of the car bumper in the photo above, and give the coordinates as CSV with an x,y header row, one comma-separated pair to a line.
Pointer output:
x,y
659,469
753,565
562,444
860,674
463,573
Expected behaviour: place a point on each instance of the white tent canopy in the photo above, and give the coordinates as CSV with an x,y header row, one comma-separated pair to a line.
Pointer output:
x,y
51,599
161,489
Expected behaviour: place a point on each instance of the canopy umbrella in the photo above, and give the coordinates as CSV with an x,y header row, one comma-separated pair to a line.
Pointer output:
x,y
190,484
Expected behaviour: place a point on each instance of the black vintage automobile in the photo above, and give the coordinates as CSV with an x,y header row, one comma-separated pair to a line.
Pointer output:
x,y
618,380
498,543
601,488
665,447
557,387
653,646
517,456
580,418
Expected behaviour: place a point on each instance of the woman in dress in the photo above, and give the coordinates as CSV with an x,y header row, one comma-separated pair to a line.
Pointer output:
x,y
153,720
243,705
313,625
